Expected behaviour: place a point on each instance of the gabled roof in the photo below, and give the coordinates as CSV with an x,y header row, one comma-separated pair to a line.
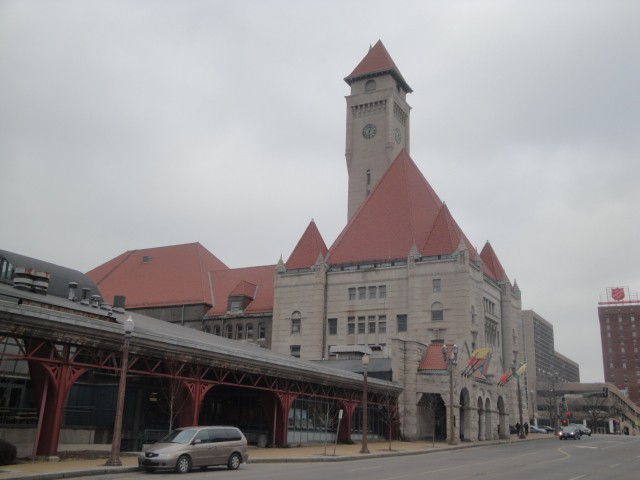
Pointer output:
x,y
492,266
309,248
161,276
445,236
432,359
377,62
398,214
244,289
256,282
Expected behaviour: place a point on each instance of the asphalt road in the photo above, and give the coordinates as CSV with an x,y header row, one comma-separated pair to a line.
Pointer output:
x,y
599,457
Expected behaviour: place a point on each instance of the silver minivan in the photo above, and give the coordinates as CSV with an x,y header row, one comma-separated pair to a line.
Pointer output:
x,y
185,448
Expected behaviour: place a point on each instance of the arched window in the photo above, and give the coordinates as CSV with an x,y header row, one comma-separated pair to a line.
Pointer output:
x,y
437,314
296,321
239,331
249,330
262,331
370,86
368,181
229,331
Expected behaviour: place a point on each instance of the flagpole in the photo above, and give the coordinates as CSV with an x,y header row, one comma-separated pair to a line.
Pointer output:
x,y
521,434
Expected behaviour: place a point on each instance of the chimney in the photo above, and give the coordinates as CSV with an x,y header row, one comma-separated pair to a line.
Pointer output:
x,y
85,296
23,278
72,291
119,303
41,282
94,301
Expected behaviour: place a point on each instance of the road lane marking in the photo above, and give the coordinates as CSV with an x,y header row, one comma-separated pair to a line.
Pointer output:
x,y
576,478
614,465
365,468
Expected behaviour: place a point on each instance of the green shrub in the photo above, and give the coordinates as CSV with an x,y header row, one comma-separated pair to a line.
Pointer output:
x,y
8,452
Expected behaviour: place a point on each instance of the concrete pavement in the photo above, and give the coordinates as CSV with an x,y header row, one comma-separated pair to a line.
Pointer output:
x,y
50,470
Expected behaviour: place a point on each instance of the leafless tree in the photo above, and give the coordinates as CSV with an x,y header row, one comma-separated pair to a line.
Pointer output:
x,y
596,409
550,401
173,392
324,416
390,414
428,407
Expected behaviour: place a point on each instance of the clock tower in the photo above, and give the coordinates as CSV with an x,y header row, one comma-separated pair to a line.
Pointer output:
x,y
377,122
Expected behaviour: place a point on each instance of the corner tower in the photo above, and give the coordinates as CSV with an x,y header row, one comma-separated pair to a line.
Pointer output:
x,y
377,122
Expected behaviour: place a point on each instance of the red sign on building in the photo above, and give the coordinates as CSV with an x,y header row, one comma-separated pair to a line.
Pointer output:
x,y
617,294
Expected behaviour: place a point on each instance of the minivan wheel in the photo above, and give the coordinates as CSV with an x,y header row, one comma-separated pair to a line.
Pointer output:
x,y
183,465
234,461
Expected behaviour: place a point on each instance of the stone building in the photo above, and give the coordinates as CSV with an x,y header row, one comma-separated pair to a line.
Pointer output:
x,y
401,282
402,279
619,314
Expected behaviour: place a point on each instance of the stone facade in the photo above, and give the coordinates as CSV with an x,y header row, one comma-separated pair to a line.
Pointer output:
x,y
397,308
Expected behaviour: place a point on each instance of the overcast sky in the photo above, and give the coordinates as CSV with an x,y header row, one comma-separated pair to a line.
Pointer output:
x,y
135,124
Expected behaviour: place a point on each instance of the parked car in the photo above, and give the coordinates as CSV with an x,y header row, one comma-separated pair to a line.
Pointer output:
x,y
584,430
534,429
512,429
569,432
185,448
547,428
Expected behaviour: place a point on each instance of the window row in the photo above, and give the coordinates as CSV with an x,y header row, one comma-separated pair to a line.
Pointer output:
x,y
489,306
237,332
364,293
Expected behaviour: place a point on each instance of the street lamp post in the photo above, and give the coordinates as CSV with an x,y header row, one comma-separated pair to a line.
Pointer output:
x,y
451,361
521,434
114,459
365,420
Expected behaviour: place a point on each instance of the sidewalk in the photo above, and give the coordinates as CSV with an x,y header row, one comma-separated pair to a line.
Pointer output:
x,y
49,470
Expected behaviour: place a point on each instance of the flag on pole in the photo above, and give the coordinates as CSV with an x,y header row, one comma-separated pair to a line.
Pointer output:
x,y
479,359
506,376
520,371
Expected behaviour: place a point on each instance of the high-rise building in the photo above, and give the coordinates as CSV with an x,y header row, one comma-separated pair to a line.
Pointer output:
x,y
546,368
617,312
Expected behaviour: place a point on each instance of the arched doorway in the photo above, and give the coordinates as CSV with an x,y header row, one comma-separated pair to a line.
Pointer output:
x,y
480,405
432,417
503,428
488,424
465,415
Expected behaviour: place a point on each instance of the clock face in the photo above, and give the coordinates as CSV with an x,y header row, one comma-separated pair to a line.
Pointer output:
x,y
369,131
398,135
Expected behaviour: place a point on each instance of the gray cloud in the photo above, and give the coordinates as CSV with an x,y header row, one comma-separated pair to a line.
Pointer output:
x,y
133,124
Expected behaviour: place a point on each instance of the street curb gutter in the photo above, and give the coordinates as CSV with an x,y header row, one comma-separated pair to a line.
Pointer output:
x,y
318,458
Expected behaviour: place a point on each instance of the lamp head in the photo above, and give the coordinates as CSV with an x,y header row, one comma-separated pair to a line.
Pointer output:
x,y
128,326
365,360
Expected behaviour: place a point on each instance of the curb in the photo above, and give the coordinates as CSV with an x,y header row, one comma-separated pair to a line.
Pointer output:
x,y
313,459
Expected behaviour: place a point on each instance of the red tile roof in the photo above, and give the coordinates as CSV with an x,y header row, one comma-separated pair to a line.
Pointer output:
x,y
377,62
245,289
232,281
309,248
162,276
432,359
492,266
445,235
397,215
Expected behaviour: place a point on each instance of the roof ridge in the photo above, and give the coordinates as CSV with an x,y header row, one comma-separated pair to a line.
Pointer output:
x,y
125,256
377,61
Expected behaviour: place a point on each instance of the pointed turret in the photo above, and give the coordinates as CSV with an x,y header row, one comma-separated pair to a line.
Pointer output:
x,y
377,62
492,266
310,247
445,236
398,213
